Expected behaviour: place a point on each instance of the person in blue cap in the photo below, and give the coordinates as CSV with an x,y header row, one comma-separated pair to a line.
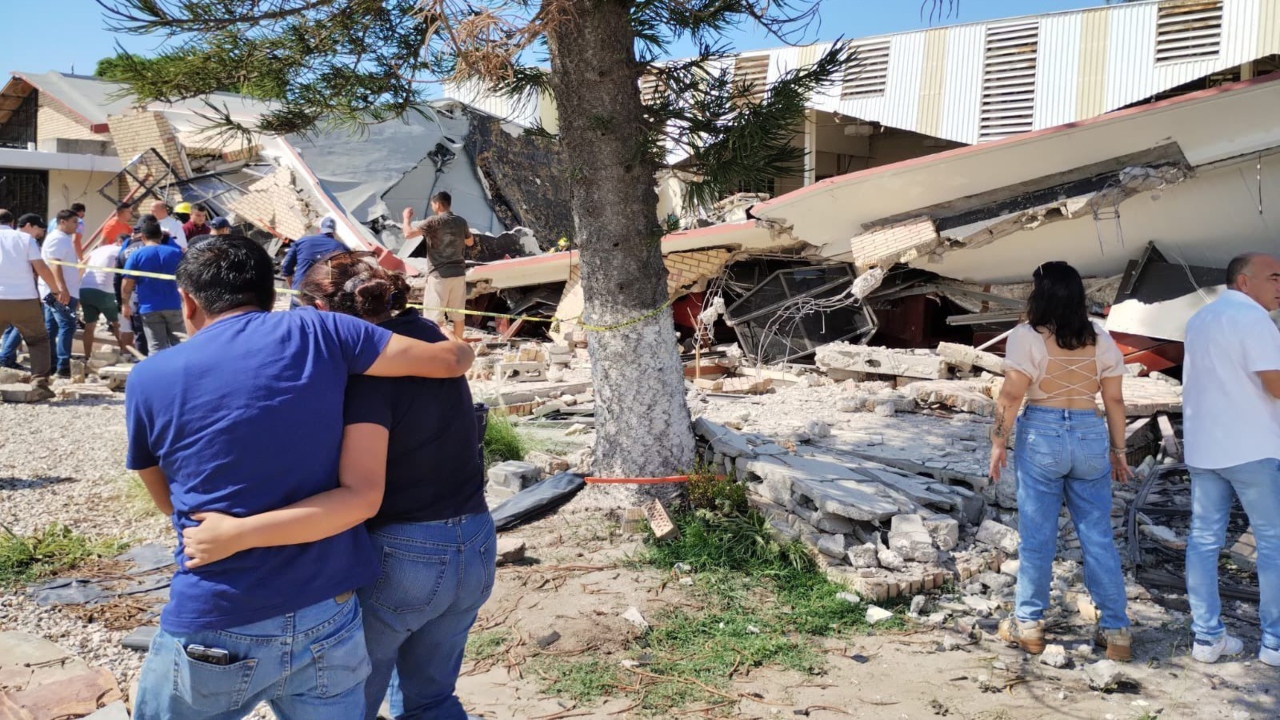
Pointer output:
x,y
305,251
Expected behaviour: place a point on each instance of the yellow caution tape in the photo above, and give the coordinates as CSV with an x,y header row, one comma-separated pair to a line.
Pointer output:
x,y
555,321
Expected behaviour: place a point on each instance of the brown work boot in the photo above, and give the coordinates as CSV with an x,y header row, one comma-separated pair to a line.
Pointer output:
x,y
1118,642
1027,635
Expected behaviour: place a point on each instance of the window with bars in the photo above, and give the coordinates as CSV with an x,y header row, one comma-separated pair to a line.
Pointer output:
x,y
1188,30
869,74
24,191
1009,80
20,127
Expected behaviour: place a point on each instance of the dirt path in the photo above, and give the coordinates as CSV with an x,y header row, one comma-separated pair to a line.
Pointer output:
x,y
578,580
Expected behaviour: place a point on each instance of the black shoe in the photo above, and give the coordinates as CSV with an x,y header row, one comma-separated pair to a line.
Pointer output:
x,y
15,366
64,373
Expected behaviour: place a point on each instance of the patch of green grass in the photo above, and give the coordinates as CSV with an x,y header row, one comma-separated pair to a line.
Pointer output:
x,y
487,645
54,550
582,681
502,441
766,603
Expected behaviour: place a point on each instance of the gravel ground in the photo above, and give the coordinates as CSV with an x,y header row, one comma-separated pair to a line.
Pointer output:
x,y
63,461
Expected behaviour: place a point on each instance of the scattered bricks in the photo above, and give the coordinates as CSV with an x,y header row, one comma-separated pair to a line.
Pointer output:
x,y
996,582
877,615
520,371
84,392
999,536
828,522
549,408
1055,656
660,522
1244,553
890,559
513,475
944,529
560,355
953,394
510,550
10,376
909,539
835,546
863,556
633,521
115,376
546,462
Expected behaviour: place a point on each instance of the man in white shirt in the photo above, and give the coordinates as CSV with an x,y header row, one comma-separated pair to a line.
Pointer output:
x,y
169,223
59,252
1231,424
19,299
97,294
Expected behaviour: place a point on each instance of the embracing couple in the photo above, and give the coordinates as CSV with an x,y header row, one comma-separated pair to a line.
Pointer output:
x,y
321,468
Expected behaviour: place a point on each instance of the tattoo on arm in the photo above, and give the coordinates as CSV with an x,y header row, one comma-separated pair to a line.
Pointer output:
x,y
999,432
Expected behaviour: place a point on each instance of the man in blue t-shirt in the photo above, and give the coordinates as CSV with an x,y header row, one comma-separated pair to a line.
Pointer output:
x,y
305,251
246,417
157,298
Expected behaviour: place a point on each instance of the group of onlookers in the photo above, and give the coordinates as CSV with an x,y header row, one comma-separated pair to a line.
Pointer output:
x,y
138,308
1059,361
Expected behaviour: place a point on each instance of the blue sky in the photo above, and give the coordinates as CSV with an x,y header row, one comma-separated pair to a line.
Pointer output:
x,y
72,35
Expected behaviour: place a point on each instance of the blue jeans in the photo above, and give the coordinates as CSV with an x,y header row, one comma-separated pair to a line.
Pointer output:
x,y
1258,486
308,665
60,322
1066,453
9,345
435,577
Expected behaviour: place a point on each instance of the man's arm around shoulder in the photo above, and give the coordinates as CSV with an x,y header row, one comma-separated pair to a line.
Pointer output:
x,y
406,357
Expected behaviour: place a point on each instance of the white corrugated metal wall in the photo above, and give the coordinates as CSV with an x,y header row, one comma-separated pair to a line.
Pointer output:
x,y
1058,70
962,92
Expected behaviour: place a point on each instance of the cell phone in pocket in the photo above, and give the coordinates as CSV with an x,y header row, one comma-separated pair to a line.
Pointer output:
x,y
213,656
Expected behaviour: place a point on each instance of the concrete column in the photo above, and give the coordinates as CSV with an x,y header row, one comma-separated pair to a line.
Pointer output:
x,y
810,146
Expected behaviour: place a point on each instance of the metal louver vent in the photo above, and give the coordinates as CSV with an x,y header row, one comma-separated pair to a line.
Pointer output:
x,y
869,74
650,88
1009,80
752,71
1188,30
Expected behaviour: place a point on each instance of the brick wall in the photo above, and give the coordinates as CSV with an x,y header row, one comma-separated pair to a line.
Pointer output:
x,y
689,271
55,121
136,132
274,201
902,242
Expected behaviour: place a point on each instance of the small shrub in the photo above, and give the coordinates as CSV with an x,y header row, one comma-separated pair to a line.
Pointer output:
x,y
719,493
137,501
54,550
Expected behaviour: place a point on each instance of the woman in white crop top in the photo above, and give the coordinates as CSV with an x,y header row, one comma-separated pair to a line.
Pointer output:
x,y
1059,361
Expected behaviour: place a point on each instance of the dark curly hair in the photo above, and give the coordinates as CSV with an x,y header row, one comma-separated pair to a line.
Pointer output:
x,y
1058,305
349,283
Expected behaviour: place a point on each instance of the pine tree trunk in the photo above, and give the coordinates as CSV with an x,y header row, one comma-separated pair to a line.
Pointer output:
x,y
642,422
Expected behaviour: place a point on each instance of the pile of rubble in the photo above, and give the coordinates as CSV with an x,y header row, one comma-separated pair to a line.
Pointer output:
x,y
101,376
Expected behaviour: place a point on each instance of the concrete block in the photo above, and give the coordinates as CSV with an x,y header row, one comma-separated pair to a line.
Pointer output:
x,y
999,536
22,393
514,475
833,545
863,556
944,529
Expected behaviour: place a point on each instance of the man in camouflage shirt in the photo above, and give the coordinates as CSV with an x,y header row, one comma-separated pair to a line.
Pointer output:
x,y
446,237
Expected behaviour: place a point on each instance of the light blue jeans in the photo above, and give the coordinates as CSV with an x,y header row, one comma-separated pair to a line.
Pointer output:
x,y
308,665
1258,486
1065,453
435,577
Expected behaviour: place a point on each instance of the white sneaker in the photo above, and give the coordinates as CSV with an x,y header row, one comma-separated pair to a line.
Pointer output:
x,y
1269,657
1226,645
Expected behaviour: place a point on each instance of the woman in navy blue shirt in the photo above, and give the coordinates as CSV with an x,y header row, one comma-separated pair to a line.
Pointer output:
x,y
434,532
